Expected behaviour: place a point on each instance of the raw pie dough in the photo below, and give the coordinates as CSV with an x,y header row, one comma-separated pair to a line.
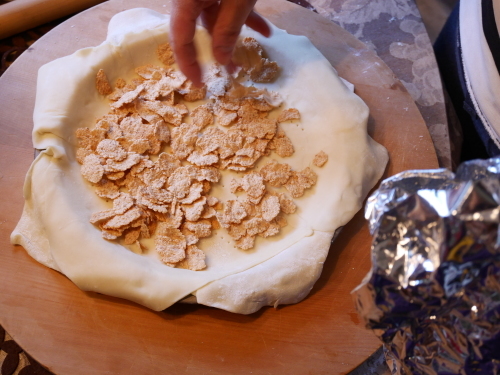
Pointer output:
x,y
55,228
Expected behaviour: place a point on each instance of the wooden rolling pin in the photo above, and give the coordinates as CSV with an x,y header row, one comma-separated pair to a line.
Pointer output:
x,y
20,15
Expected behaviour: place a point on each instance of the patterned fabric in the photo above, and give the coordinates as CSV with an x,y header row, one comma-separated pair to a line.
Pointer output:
x,y
394,29
14,361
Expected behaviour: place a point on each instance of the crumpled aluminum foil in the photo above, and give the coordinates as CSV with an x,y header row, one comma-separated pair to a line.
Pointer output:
x,y
433,294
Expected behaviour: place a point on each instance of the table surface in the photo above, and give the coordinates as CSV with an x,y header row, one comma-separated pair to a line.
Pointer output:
x,y
338,11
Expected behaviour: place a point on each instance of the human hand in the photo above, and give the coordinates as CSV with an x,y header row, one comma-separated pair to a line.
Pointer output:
x,y
222,18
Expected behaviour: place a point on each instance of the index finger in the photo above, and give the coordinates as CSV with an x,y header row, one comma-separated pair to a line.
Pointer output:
x,y
182,30
231,17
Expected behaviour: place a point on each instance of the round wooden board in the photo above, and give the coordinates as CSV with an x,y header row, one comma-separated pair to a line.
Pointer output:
x,y
74,332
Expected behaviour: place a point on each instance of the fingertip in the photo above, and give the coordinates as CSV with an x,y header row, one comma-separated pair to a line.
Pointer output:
x,y
267,32
197,82
223,54
194,75
259,24
188,65
231,67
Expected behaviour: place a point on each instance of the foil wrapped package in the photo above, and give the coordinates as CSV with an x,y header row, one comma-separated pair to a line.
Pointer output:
x,y
433,293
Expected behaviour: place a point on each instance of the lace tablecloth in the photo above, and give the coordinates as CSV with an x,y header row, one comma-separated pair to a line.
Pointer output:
x,y
393,28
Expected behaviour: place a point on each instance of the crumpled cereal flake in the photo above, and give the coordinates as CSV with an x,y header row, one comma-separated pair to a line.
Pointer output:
x,y
195,259
115,176
320,159
234,212
246,243
300,181
82,153
92,168
122,203
171,245
165,54
194,210
276,174
89,139
107,189
119,221
287,205
237,231
195,191
270,207
202,160
201,228
111,149
117,166
101,216
102,84
289,114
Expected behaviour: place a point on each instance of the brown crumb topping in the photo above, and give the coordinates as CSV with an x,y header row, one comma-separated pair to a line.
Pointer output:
x,y
164,192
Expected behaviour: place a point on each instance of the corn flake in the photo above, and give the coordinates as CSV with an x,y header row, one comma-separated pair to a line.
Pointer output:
x,y
89,139
234,212
255,225
195,191
320,159
283,146
131,236
101,216
246,243
82,153
286,204
217,80
150,72
128,97
289,114
121,220
194,210
202,116
139,146
117,166
249,54
190,93
115,176
102,84
120,83
107,189
237,231
195,259
270,207
252,183
171,245
111,149
92,168
300,181
272,230
201,229
165,54
183,140
276,174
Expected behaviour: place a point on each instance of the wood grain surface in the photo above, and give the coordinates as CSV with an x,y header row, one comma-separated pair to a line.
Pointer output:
x,y
74,332
21,15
